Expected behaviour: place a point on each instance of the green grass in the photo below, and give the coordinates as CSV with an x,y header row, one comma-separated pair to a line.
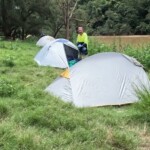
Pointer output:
x,y
31,119
141,53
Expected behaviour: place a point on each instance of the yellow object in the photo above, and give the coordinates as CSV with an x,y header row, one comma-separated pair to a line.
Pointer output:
x,y
65,74
82,38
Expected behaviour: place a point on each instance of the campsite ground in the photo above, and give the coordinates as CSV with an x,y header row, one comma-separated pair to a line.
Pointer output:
x,y
31,119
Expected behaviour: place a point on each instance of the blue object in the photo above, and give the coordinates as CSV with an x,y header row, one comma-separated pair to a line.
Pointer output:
x,y
72,62
79,46
84,49
62,40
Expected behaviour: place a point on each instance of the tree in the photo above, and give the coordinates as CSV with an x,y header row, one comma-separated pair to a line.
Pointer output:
x,y
68,7
119,17
31,15
22,17
7,13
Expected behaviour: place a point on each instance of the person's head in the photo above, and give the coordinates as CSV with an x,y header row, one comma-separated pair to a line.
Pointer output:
x,y
80,30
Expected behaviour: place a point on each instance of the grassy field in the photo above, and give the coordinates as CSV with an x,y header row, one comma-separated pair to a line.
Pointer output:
x,y
121,42
31,119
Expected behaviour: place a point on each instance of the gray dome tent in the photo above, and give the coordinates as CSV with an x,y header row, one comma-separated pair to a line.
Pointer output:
x,y
57,53
102,79
44,40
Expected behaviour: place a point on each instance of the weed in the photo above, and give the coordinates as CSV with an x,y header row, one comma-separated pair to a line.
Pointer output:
x,y
7,88
9,62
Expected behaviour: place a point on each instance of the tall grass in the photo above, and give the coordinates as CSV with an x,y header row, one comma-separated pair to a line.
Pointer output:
x,y
142,53
143,106
123,41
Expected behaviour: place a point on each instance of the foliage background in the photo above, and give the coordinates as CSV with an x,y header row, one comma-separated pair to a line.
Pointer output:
x,y
58,18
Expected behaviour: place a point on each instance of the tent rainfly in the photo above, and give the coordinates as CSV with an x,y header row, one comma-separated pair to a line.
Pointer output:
x,y
44,40
57,53
102,79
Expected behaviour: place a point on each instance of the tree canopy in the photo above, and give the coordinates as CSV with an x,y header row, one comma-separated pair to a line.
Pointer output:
x,y
59,18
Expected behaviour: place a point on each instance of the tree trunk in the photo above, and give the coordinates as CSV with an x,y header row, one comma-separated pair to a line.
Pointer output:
x,y
67,21
22,33
57,30
13,34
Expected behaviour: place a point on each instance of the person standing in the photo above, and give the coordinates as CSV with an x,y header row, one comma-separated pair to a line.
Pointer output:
x,y
82,42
